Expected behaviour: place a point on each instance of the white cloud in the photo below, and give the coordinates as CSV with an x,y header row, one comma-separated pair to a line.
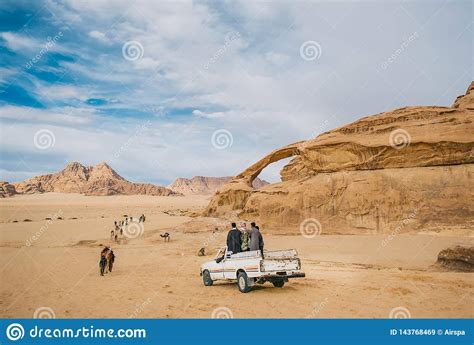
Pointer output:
x,y
18,42
67,115
212,115
147,63
100,36
62,92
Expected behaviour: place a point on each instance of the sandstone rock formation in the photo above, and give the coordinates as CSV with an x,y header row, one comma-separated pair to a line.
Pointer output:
x,y
6,189
201,185
93,180
410,169
457,258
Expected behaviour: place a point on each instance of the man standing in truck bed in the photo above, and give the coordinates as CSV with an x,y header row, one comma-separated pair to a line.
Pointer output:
x,y
233,240
256,239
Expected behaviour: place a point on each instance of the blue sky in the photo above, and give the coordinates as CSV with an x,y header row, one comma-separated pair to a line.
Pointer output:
x,y
161,90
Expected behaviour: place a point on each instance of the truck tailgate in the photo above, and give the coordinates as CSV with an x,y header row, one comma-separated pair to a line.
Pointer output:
x,y
282,264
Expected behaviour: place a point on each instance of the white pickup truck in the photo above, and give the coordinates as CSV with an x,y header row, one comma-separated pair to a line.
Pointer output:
x,y
250,268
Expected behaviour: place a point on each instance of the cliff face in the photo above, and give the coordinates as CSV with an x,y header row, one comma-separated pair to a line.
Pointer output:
x,y
202,185
97,180
368,176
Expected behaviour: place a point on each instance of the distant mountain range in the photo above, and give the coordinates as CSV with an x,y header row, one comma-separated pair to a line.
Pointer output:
x,y
101,179
201,185
89,180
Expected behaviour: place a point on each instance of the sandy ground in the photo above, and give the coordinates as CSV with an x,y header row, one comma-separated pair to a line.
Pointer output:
x,y
54,264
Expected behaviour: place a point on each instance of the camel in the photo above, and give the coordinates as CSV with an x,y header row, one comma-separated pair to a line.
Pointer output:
x,y
103,260
166,236
107,258
110,257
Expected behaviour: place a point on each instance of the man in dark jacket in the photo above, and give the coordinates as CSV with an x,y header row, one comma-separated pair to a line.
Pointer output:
x,y
233,240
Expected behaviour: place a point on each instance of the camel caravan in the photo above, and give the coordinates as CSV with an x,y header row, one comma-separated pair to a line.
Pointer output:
x,y
120,225
107,256
123,228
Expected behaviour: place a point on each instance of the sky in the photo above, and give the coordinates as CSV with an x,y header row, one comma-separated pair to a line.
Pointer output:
x,y
167,89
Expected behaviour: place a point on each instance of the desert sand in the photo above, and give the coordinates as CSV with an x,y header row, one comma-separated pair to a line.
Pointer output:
x,y
349,276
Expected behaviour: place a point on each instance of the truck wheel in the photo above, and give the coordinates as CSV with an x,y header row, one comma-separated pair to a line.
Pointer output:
x,y
206,278
243,282
278,283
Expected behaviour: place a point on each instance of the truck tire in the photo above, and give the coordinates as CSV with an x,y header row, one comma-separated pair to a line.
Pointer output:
x,y
243,282
206,278
278,283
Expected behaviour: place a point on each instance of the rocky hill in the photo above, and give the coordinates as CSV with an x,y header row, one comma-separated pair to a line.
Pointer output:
x,y
6,189
202,185
410,169
89,180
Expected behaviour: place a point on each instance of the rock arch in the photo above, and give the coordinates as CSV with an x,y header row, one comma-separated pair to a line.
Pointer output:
x,y
251,173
